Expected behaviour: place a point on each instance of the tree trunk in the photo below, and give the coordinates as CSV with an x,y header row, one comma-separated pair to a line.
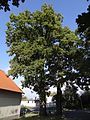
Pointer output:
x,y
42,97
59,101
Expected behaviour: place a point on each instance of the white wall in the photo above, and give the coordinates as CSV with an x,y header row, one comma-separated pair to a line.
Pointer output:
x,y
9,111
49,99
28,103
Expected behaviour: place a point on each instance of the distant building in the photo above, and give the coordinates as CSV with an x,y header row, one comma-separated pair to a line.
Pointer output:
x,y
28,103
34,102
10,98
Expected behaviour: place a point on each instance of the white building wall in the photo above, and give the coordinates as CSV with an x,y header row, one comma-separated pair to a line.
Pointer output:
x,y
28,103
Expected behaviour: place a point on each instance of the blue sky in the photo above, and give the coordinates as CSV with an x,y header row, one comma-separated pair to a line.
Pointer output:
x,y
68,8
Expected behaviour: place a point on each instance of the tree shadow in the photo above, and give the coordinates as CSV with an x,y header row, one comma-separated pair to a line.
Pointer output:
x,y
77,115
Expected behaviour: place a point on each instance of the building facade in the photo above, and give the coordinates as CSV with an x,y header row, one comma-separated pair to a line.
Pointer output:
x,y
10,98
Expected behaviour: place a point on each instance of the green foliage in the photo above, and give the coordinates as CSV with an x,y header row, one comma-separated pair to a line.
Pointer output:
x,y
61,60
4,4
71,98
84,50
84,27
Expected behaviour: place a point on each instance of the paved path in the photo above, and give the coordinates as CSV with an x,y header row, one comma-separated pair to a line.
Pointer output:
x,y
77,115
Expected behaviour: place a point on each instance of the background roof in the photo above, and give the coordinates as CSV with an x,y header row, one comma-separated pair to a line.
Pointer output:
x,y
7,83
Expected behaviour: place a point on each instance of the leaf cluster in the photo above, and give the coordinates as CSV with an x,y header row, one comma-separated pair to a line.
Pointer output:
x,y
4,4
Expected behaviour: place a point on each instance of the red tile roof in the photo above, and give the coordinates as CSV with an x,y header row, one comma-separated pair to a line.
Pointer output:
x,y
7,83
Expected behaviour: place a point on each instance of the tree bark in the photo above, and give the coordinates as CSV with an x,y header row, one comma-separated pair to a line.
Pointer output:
x,y
59,101
42,97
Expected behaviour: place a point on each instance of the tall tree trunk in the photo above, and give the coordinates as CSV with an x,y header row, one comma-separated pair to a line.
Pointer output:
x,y
59,101
42,97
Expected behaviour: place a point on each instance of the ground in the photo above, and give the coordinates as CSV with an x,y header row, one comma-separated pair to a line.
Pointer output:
x,y
77,115
68,115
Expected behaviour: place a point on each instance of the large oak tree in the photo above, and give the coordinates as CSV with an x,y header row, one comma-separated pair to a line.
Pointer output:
x,y
43,52
29,37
